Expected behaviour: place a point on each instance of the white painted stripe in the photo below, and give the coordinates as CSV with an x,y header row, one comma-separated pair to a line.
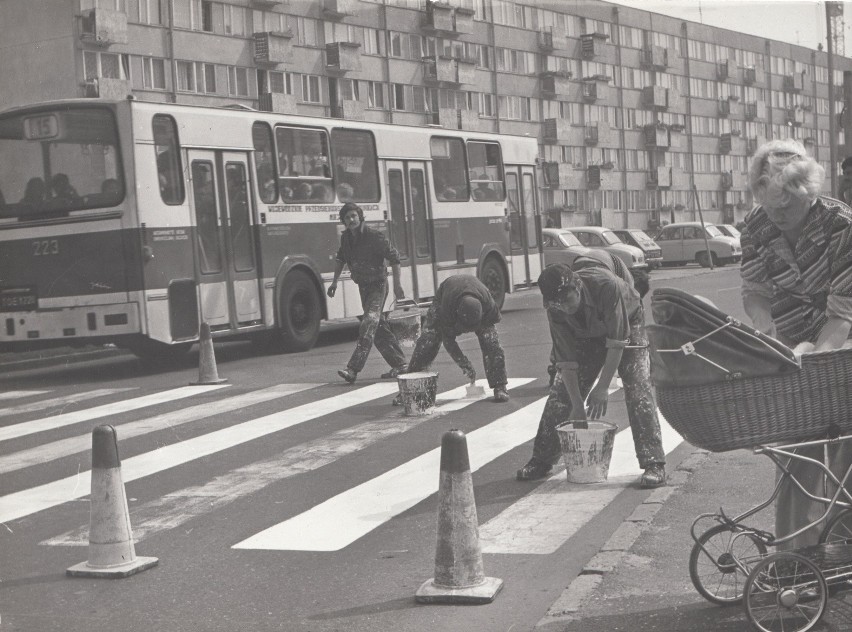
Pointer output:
x,y
67,419
29,501
178,507
82,442
352,514
19,394
58,402
544,519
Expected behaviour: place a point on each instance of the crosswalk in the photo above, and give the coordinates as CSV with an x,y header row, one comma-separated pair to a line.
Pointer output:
x,y
39,435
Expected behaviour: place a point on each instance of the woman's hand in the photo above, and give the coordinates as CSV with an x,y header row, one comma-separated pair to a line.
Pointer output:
x,y
597,401
332,289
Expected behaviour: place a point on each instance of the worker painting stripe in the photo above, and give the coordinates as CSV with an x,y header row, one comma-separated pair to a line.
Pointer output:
x,y
540,522
82,442
178,507
343,519
29,501
115,408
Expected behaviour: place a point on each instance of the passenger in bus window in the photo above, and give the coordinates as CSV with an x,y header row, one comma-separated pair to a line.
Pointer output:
x,y
321,192
62,189
365,251
318,168
304,191
35,194
111,190
287,194
483,191
345,192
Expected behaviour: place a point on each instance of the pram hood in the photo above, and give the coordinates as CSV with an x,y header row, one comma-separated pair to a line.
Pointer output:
x,y
693,343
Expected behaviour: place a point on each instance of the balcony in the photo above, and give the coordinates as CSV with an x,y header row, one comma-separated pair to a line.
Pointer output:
x,y
655,58
656,137
272,48
337,9
463,20
546,43
104,27
754,76
727,180
592,45
724,108
659,178
794,82
756,110
593,177
726,143
444,20
555,130
107,88
658,97
553,84
794,116
279,103
563,175
349,109
594,90
590,135
447,71
725,70
342,57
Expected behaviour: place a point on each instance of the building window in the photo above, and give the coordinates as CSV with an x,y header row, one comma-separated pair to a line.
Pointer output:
x,y
376,95
186,76
311,92
153,73
398,96
109,65
235,20
238,81
486,105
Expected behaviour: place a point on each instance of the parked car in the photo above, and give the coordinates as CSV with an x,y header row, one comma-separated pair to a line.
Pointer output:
x,y
683,242
730,230
560,246
604,238
640,239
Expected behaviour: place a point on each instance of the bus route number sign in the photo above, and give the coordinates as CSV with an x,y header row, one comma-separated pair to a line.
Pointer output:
x,y
21,299
41,127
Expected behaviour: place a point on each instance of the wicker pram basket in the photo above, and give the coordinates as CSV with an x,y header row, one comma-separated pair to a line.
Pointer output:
x,y
741,413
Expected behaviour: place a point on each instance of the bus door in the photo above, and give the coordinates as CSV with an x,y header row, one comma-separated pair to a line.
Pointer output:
x,y
409,216
225,248
523,225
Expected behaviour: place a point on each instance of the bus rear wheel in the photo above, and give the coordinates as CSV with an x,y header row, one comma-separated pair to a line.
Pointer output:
x,y
492,276
299,314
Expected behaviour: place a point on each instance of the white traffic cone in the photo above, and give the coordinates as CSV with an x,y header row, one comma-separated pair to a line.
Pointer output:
x,y
111,550
207,372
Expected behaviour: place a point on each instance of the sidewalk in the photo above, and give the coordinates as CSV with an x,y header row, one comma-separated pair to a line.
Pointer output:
x,y
640,581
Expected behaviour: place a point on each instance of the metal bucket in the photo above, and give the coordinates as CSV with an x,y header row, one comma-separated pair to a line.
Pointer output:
x,y
417,392
587,449
405,326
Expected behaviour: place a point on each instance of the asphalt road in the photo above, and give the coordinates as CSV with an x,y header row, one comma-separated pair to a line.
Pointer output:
x,y
255,500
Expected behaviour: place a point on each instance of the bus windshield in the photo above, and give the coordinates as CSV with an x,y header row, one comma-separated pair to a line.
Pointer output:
x,y
54,162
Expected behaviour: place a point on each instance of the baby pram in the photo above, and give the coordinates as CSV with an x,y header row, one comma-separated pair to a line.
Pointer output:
x,y
724,386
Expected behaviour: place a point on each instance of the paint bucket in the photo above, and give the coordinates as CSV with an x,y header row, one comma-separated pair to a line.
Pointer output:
x,y
405,326
417,392
587,449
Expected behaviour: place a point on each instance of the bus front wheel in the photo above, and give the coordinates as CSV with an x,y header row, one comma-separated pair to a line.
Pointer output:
x,y
492,276
299,313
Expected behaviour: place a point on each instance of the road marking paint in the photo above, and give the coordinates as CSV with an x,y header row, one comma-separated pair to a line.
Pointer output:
x,y
58,402
176,508
67,419
544,519
19,394
29,501
341,520
82,442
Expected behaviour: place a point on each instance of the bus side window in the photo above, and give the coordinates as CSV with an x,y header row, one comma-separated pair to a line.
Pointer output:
x,y
486,170
264,162
303,165
449,169
356,171
167,151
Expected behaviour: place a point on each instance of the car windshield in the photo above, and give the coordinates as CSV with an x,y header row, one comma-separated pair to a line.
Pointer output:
x,y
55,162
610,237
712,231
642,237
568,239
730,230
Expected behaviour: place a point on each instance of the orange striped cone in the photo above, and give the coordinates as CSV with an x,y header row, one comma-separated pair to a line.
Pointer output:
x,y
207,373
111,550
459,576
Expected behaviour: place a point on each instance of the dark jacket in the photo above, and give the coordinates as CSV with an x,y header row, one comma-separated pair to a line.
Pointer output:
x,y
365,254
447,298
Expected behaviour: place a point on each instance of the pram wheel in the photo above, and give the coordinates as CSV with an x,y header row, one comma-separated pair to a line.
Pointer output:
x,y
716,577
838,530
785,592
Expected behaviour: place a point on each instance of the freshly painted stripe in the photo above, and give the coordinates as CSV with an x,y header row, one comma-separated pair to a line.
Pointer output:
x,y
182,505
29,501
59,402
19,394
544,519
341,520
82,442
67,419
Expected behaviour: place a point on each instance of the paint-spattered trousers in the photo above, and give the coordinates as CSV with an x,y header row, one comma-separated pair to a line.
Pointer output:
x,y
429,342
635,373
375,328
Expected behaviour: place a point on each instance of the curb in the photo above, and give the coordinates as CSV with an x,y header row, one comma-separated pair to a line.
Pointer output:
x,y
567,607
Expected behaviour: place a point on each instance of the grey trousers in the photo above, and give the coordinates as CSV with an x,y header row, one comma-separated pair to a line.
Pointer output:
x,y
375,328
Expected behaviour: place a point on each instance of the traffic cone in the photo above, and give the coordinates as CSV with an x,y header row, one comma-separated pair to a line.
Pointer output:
x,y
207,373
111,550
459,576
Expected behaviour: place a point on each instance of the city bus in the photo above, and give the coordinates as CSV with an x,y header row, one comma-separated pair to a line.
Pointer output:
x,y
132,223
